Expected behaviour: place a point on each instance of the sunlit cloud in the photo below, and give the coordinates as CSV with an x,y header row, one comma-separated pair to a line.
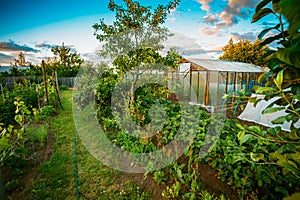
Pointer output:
x,y
210,30
205,4
45,45
210,18
227,17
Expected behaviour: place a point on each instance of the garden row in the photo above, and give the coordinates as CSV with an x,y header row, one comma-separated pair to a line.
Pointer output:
x,y
20,107
256,162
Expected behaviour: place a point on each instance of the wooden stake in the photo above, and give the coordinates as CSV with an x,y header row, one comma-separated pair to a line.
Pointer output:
x,y
45,81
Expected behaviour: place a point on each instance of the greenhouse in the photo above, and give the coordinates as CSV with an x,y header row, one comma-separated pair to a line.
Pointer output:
x,y
208,80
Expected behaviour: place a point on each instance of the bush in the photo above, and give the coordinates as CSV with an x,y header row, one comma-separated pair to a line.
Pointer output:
x,y
26,92
63,87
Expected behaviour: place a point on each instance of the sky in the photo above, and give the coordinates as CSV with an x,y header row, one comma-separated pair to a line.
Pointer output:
x,y
201,27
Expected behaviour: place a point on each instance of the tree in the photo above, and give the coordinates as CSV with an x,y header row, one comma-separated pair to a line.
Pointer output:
x,y
172,58
134,38
20,61
245,51
66,62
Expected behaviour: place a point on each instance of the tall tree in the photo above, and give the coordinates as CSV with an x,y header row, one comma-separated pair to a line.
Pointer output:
x,y
20,61
245,51
134,38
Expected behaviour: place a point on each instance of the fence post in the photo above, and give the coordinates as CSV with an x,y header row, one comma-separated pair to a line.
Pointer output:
x,y
45,81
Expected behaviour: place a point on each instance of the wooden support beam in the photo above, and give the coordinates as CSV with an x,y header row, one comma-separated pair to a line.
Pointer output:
x,y
227,82
207,88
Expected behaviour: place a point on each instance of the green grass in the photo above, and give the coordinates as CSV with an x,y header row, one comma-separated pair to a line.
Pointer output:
x,y
56,178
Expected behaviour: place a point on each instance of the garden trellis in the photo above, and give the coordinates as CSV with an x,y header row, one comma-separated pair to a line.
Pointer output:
x,y
208,80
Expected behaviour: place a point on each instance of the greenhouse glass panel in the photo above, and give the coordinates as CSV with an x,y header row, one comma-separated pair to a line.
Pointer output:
x,y
202,85
222,86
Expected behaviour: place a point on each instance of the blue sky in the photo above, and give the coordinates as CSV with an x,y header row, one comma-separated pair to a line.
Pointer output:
x,y
34,26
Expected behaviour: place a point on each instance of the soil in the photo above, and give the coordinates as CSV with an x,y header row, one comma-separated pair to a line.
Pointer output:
x,y
42,154
208,177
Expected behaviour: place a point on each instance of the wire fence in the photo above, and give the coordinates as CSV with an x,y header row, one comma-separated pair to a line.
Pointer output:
x,y
9,81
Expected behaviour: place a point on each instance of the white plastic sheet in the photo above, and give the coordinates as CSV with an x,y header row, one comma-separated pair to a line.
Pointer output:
x,y
254,114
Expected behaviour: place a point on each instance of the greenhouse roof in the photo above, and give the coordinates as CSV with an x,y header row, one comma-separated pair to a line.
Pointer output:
x,y
222,65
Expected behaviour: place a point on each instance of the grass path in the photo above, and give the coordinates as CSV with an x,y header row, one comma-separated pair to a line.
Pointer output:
x,y
55,178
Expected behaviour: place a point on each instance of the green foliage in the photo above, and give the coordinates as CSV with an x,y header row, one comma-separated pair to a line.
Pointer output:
x,y
172,58
37,134
66,62
44,113
63,87
133,16
245,51
26,91
276,158
247,156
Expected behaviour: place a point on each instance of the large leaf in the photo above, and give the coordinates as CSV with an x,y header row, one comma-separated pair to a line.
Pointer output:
x,y
256,156
262,4
275,5
261,13
291,10
245,138
290,56
272,110
264,89
279,120
265,31
272,39
279,79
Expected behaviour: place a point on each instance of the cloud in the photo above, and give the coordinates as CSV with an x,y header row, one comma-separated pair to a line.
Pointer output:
x,y
244,36
12,46
192,51
243,3
172,19
4,59
210,30
45,45
228,17
205,4
210,18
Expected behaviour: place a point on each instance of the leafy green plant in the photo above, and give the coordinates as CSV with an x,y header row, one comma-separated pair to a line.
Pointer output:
x,y
25,91
37,134
243,156
44,113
